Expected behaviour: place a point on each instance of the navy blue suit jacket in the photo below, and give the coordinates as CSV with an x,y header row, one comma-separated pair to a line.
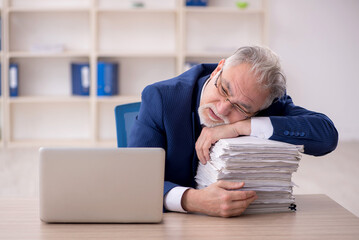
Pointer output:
x,y
168,119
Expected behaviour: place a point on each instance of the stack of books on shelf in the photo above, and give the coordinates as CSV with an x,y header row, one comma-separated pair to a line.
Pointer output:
x,y
265,166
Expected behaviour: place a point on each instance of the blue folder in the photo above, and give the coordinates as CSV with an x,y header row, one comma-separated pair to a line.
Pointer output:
x,y
80,77
0,34
107,78
196,3
14,79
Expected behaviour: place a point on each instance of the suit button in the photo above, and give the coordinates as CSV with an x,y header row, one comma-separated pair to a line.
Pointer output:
x,y
286,133
302,134
292,133
296,134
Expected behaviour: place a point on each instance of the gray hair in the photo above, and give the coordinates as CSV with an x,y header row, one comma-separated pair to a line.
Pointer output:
x,y
265,65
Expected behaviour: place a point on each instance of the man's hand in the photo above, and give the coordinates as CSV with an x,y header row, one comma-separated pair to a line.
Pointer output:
x,y
210,136
218,199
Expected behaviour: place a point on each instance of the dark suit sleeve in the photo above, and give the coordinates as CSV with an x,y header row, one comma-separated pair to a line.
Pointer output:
x,y
148,129
297,125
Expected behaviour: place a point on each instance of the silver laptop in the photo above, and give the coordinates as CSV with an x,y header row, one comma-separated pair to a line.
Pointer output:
x,y
101,185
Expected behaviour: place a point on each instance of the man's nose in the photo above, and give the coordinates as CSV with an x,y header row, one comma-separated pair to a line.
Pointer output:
x,y
224,107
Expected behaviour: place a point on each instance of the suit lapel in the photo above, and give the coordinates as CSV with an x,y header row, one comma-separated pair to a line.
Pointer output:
x,y
196,126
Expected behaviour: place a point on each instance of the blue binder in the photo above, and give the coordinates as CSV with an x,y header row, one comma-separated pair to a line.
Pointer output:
x,y
107,75
0,34
14,79
80,77
0,80
196,3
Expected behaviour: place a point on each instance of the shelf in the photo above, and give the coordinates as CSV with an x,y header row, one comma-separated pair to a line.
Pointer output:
x,y
50,143
136,10
150,44
119,99
75,99
47,9
58,143
107,143
213,54
217,10
48,54
137,54
45,99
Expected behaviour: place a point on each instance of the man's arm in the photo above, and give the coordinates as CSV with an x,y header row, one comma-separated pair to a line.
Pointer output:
x,y
297,125
209,136
291,124
218,199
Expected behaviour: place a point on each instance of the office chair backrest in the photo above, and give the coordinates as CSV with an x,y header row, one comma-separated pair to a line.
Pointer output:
x,y
125,115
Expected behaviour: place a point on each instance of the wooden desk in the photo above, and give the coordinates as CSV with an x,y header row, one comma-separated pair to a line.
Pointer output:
x,y
317,217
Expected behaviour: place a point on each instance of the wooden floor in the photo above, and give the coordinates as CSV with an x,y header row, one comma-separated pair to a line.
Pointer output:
x,y
336,174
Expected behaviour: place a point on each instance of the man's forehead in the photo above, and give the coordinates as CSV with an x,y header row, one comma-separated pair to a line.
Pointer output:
x,y
243,102
242,86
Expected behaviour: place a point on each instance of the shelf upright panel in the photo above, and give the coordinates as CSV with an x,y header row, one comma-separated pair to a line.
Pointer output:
x,y
5,74
93,66
1,83
180,36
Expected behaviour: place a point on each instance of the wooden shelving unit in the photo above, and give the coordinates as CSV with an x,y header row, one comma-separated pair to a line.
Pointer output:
x,y
151,44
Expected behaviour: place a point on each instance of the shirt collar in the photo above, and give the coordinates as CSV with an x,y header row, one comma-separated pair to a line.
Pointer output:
x,y
204,86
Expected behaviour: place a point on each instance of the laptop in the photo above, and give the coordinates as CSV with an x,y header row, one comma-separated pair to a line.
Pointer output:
x,y
101,185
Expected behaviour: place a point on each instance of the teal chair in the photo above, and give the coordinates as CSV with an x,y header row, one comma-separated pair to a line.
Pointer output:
x,y
125,115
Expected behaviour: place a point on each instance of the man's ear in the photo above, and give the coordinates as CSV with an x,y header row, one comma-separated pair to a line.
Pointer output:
x,y
218,68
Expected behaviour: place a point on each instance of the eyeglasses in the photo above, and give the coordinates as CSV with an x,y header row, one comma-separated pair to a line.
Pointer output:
x,y
223,92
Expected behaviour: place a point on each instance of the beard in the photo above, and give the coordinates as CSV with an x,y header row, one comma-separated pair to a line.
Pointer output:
x,y
206,119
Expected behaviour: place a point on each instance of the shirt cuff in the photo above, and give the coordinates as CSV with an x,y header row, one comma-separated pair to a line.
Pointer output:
x,y
172,199
261,127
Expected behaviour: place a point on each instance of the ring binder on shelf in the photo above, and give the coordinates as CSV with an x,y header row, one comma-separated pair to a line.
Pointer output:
x,y
0,33
14,79
202,3
80,76
107,75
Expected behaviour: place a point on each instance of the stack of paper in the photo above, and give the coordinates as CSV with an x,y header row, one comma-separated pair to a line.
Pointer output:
x,y
265,166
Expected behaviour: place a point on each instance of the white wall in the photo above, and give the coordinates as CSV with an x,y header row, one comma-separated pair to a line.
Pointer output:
x,y
318,42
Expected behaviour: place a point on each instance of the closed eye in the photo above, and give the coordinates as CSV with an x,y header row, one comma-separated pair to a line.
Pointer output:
x,y
224,91
234,104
